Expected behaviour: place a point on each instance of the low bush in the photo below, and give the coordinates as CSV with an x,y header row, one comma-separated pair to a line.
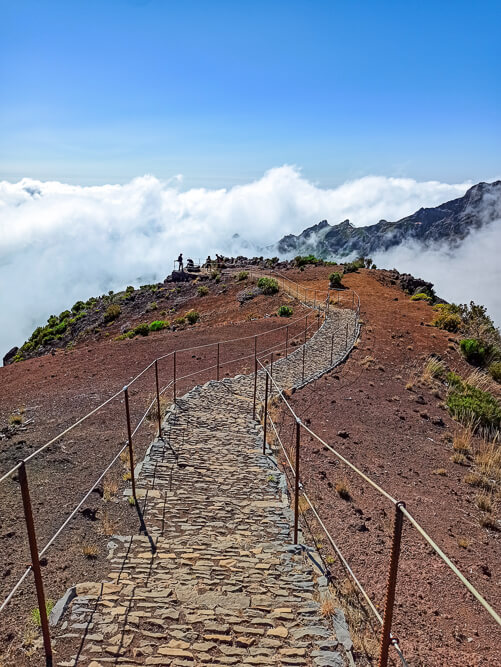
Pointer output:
x,y
158,325
268,285
242,275
285,311
421,296
303,260
79,305
495,371
153,305
474,351
470,405
192,316
142,330
179,321
335,279
448,321
112,312
215,275
352,267
203,290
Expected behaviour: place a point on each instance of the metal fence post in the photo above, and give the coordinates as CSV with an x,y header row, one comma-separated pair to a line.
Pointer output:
x,y
271,365
265,425
296,483
346,335
391,585
175,373
35,563
315,299
287,341
158,400
129,435
255,388
218,361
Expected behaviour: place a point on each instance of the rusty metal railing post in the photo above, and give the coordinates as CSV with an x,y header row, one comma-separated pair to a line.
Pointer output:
x,y
255,389
287,341
129,436
315,299
265,425
296,483
158,400
218,361
271,365
175,374
35,563
391,585
255,347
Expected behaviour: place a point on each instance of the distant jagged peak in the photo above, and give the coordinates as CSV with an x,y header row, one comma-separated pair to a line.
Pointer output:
x,y
450,223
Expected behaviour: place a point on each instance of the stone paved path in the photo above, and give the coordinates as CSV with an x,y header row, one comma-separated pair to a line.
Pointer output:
x,y
215,579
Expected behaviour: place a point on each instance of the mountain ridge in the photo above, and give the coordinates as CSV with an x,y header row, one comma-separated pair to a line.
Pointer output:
x,y
450,222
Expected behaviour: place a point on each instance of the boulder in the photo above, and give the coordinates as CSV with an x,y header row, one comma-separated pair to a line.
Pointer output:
x,y
10,355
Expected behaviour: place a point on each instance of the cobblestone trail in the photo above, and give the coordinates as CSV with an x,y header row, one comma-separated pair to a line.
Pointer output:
x,y
213,578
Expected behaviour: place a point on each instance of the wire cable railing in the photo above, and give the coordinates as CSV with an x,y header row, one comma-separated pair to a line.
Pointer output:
x,y
21,467
401,511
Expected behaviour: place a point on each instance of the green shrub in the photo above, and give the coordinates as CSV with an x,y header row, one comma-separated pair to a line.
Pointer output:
x,y
203,290
79,305
157,325
448,321
268,285
335,279
495,371
64,315
179,321
215,275
471,405
474,351
285,311
112,312
153,305
303,260
129,289
142,330
60,328
192,316
421,296
242,275
352,267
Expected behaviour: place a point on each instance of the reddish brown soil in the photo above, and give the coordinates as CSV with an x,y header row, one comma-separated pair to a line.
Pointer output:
x,y
55,391
393,435
399,437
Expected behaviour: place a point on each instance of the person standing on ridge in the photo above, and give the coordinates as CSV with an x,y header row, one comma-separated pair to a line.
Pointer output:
x,y
180,262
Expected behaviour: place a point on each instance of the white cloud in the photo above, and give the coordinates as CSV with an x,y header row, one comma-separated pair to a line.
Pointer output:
x,y
60,243
471,272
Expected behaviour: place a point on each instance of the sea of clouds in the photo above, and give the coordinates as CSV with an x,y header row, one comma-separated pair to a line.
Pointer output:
x,y
60,243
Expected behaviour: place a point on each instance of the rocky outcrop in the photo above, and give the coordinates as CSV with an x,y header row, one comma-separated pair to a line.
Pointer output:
x,y
10,355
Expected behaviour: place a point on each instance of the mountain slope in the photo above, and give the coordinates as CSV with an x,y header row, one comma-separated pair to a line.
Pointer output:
x,y
450,222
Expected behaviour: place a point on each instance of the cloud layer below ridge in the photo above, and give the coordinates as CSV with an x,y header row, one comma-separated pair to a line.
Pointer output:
x,y
60,243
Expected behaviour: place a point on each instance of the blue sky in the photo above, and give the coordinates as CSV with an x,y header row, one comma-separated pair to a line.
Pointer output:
x,y
97,91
